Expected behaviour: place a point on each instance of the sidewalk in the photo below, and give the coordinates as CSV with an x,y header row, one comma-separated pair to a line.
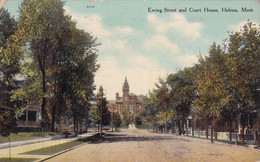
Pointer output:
x,y
25,142
220,140
248,143
19,148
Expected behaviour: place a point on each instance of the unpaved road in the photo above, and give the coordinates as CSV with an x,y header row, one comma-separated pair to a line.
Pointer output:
x,y
143,146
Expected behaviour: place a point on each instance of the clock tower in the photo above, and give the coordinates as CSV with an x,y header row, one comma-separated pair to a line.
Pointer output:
x,y
126,94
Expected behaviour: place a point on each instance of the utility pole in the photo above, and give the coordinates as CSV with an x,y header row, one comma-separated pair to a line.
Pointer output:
x,y
112,124
258,126
258,117
101,111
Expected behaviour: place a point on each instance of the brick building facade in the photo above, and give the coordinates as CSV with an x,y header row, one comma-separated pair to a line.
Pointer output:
x,y
129,101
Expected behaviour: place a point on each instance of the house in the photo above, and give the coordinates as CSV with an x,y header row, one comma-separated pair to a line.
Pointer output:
x,y
30,119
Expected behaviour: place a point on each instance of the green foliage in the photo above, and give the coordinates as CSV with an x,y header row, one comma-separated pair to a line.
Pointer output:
x,y
243,65
162,95
243,69
223,85
212,93
7,123
59,61
149,115
31,91
126,117
183,86
100,112
8,60
138,120
162,115
116,120
94,114
103,111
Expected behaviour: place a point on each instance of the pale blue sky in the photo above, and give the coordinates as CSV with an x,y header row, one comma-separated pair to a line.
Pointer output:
x,y
144,45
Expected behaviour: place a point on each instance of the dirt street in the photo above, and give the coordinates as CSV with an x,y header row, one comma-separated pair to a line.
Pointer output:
x,y
143,146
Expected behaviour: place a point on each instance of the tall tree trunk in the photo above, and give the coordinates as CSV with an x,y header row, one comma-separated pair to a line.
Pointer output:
x,y
230,130
183,126
179,126
242,134
74,122
186,125
172,126
42,61
192,128
53,116
112,123
215,129
166,121
77,125
43,102
211,133
206,129
258,125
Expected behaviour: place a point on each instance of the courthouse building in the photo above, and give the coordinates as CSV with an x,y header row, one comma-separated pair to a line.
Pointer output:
x,y
129,101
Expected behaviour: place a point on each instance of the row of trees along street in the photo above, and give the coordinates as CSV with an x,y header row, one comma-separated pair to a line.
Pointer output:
x,y
223,86
55,59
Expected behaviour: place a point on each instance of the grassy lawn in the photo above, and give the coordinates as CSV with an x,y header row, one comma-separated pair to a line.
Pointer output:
x,y
17,159
25,136
57,148
54,149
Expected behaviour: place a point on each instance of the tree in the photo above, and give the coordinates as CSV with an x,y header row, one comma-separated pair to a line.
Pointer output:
x,y
212,92
126,117
101,110
9,64
243,70
138,120
41,22
163,98
61,57
116,120
74,80
149,115
182,94
94,114
7,123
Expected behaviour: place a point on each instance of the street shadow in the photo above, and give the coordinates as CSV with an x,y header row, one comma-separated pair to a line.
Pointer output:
x,y
246,143
109,138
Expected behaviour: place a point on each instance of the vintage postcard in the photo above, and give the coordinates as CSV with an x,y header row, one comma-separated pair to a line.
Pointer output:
x,y
129,80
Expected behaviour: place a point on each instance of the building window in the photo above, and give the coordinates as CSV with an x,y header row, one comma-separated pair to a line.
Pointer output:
x,y
31,115
197,123
132,109
23,117
190,122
